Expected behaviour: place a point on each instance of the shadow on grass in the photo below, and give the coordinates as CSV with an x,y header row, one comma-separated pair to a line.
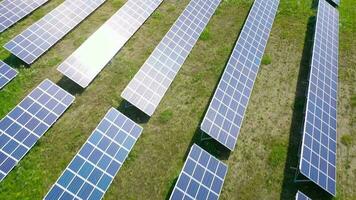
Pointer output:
x,y
70,86
133,113
15,62
289,186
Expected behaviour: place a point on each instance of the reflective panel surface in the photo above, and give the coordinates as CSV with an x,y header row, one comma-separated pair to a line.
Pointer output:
x,y
151,82
6,74
28,121
11,11
202,177
90,173
41,36
92,56
318,154
301,196
226,111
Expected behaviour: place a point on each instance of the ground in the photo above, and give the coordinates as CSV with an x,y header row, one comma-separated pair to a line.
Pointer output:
x,y
262,164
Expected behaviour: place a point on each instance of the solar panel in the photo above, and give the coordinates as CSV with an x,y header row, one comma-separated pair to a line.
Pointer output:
x,y
28,121
92,56
11,11
202,177
149,85
301,196
6,74
39,37
318,154
92,170
226,111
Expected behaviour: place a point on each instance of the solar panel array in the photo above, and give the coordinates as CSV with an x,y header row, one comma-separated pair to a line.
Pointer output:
x,y
28,121
301,196
226,111
149,85
11,11
92,170
39,37
202,177
92,56
318,155
6,74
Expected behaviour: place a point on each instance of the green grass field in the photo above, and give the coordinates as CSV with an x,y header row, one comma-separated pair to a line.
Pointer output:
x,y
261,167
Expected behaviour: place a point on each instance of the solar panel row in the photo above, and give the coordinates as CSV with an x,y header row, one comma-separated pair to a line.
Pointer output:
x,y
11,11
92,170
91,57
28,121
226,111
318,155
6,74
301,196
149,85
202,177
39,37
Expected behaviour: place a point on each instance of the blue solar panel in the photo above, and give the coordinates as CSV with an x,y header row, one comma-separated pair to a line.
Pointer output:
x,y
202,177
28,121
301,196
6,74
227,108
318,154
11,11
147,88
41,36
92,170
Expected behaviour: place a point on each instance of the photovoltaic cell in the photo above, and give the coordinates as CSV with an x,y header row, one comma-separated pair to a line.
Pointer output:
x,y
92,56
202,177
149,85
92,170
28,121
11,11
318,154
41,36
227,108
6,74
301,196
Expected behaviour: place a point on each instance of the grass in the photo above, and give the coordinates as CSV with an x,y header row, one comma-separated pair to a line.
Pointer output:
x,y
165,116
261,165
277,155
353,101
266,60
205,35
347,140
